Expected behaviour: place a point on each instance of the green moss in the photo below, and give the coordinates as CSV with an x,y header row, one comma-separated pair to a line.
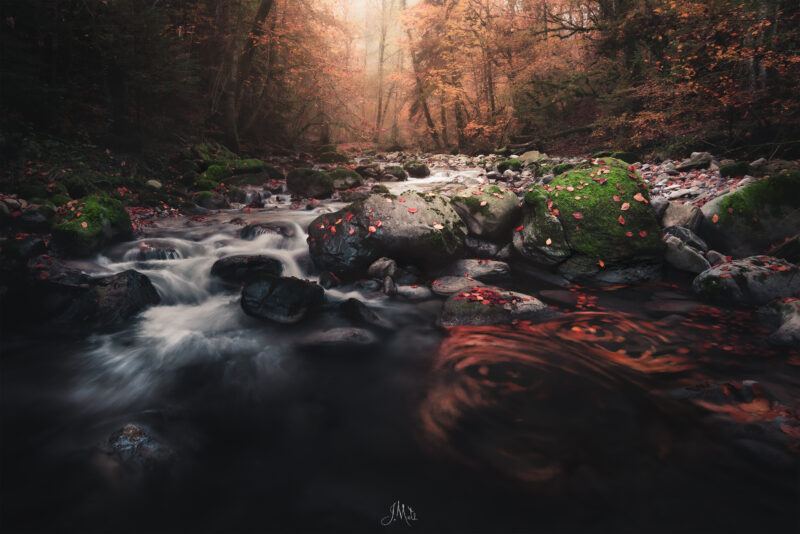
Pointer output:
x,y
740,168
597,232
210,152
543,170
333,157
473,204
602,154
216,173
96,221
513,164
310,183
58,200
562,168
204,196
204,184
380,189
77,186
345,178
760,198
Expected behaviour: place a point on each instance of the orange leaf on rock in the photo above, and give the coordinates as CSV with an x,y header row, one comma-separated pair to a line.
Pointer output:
x,y
548,242
715,218
412,210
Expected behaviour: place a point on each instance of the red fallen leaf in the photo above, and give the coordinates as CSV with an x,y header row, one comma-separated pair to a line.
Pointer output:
x,y
570,189
724,276
621,219
352,231
638,197
578,198
372,229
401,199
350,216
715,218
560,187
625,206
556,212
476,193
84,225
601,263
44,275
518,228
615,198
379,224
629,234
412,210
548,242
338,222
578,215
483,203
603,181
643,233
15,213
333,229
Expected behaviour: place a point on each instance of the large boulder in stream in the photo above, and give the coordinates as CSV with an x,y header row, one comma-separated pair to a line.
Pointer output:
x,y
482,305
281,300
413,229
243,268
754,280
595,224
310,183
748,221
490,212
90,224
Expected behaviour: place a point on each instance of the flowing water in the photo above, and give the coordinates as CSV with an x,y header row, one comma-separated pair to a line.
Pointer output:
x,y
605,419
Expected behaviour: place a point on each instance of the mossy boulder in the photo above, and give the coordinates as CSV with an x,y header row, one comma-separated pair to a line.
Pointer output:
x,y
748,221
310,183
211,200
607,222
77,186
344,178
480,306
543,170
561,168
489,212
393,173
90,224
333,157
215,173
541,239
417,169
506,164
739,168
413,228
210,152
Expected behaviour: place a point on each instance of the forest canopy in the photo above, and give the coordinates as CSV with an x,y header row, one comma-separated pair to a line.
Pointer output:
x,y
466,75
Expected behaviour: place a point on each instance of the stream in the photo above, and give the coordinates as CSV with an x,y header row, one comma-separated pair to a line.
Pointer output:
x,y
624,414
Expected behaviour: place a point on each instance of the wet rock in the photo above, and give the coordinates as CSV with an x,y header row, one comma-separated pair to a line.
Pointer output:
x,y
715,258
35,219
372,170
450,285
252,231
413,229
244,268
659,206
417,169
414,292
389,287
684,215
488,306
541,239
749,220
150,253
381,268
481,248
698,160
683,257
133,454
789,250
338,341
687,236
393,173
783,316
110,301
359,312
310,183
211,201
754,280
344,178
489,214
282,300
484,270
154,184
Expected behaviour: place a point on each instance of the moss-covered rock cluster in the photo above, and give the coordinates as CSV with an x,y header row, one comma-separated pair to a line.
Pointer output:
x,y
85,226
